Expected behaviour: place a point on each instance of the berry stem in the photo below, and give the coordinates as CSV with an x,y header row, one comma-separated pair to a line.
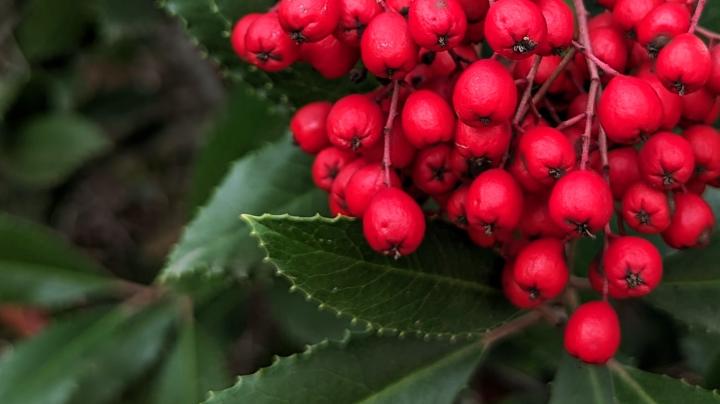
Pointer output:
x,y
579,282
696,15
555,74
599,63
707,33
387,163
523,107
551,110
589,115
602,145
570,122
511,328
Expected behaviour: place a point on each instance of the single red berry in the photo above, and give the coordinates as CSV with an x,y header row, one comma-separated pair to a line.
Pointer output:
x,y
547,66
628,109
638,56
684,64
427,119
513,292
327,166
431,171
267,46
540,269
515,28
546,153
365,184
394,224
604,19
485,93
628,13
308,126
478,149
633,267
455,207
671,102
494,202
624,170
645,209
560,26
592,333
332,58
386,47
475,10
437,24
439,64
705,143
691,223
521,175
355,15
535,221
713,83
661,24
336,198
237,37
609,46
354,123
581,203
400,6
481,238
308,20
667,161
402,153
702,106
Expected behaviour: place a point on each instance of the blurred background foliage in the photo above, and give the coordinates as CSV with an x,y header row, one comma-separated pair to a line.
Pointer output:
x,y
116,127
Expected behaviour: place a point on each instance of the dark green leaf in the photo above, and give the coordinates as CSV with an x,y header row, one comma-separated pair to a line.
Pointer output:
x,y
361,369
52,147
275,179
579,383
443,289
126,18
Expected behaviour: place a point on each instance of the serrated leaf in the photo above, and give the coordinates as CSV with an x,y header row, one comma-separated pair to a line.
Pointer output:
x,y
362,369
71,361
51,147
575,382
37,267
275,179
443,289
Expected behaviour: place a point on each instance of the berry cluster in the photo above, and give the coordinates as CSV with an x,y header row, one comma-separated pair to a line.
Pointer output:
x,y
539,144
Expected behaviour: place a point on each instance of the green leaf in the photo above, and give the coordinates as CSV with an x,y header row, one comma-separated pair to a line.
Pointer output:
x,y
52,147
246,123
361,369
37,267
443,289
127,18
275,179
88,358
579,383
14,69
195,366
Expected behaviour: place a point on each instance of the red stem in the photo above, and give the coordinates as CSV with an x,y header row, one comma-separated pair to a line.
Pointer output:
x,y
523,107
387,162
582,15
696,15
712,35
570,122
555,74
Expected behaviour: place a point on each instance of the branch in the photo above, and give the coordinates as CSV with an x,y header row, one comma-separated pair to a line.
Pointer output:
x,y
511,327
555,74
599,63
523,107
696,15
387,162
570,122
707,33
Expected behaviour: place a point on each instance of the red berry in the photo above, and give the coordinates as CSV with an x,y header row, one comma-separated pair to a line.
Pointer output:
x,y
400,6
666,160
628,109
308,20
624,170
354,123
515,28
475,10
327,166
691,223
402,153
592,333
540,269
455,207
394,224
387,49
479,236
645,209
427,119
437,25
267,46
520,173
237,37
581,202
364,184
702,106
609,46
684,65
431,172
713,83
560,26
535,221
477,149
336,198
485,93
355,15
332,58
494,202
628,13
705,143
308,126
546,153
671,102
633,267
662,24
513,292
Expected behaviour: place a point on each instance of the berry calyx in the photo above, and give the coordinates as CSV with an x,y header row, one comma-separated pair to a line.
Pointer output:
x,y
354,123
479,149
633,267
592,333
267,46
645,209
661,24
308,20
581,203
494,202
515,28
432,172
355,15
667,161
546,153
393,223
239,32
327,166
540,269
684,65
437,25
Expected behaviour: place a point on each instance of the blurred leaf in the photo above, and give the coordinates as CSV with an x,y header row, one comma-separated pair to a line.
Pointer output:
x,y
14,69
195,366
50,28
246,123
88,358
576,382
37,267
52,147
275,179
442,289
361,369
126,18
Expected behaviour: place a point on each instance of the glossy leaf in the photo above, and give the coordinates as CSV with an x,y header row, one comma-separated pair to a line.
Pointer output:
x,y
576,382
443,289
361,369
